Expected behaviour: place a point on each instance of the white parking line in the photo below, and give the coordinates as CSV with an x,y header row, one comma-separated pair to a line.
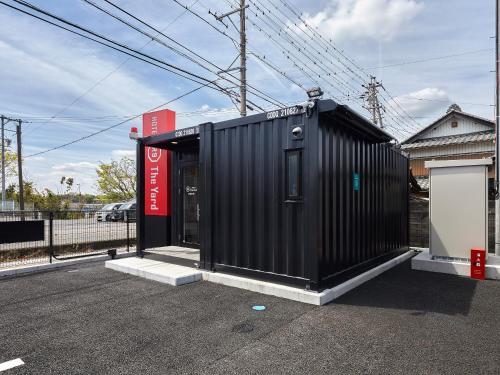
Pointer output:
x,y
11,364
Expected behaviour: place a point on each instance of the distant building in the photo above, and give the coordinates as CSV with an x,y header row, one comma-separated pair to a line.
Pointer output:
x,y
456,135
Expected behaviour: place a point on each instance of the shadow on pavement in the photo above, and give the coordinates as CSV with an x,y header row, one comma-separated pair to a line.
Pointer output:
x,y
418,291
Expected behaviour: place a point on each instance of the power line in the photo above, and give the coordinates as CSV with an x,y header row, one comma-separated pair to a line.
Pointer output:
x,y
300,46
256,92
327,42
390,111
118,124
101,80
253,52
447,101
317,51
434,58
350,65
118,46
307,40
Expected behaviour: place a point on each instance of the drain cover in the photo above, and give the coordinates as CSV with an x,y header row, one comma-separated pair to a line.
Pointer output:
x,y
243,328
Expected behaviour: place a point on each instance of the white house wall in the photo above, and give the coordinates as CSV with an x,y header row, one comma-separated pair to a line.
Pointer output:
x,y
463,149
465,125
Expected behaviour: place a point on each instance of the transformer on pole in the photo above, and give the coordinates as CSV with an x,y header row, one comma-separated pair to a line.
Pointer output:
x,y
372,103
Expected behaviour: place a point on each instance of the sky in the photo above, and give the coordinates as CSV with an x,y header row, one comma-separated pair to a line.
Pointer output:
x,y
428,54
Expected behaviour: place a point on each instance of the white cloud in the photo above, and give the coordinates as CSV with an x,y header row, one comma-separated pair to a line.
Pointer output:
x,y
423,102
83,173
38,158
74,167
367,19
117,154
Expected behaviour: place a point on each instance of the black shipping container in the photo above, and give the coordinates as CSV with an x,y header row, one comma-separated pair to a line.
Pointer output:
x,y
303,195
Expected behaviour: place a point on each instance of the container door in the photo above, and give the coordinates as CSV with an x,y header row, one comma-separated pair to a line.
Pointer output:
x,y
190,205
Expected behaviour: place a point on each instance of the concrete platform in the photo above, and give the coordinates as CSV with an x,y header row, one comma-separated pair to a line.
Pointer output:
x,y
179,275
178,252
424,262
162,272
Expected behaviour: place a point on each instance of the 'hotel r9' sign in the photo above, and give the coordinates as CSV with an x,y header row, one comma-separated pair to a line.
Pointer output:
x,y
156,164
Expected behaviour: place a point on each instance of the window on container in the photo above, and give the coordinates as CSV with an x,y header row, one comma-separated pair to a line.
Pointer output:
x,y
294,174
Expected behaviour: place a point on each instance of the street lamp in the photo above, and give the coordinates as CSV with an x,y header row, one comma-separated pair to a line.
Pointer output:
x,y
315,93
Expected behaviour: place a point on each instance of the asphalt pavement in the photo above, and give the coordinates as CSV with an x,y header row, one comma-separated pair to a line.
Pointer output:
x,y
90,320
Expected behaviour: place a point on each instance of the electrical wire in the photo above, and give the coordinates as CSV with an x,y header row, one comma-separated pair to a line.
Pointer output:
x,y
254,91
186,75
299,47
284,27
434,58
105,77
118,124
117,46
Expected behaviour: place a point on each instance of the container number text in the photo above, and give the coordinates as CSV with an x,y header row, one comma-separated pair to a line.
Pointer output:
x,y
284,112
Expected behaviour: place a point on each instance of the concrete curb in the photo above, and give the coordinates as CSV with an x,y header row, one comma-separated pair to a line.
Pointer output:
x,y
59,264
424,262
178,275
329,295
301,295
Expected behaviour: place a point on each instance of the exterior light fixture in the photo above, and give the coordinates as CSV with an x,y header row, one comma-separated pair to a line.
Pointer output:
x,y
315,93
174,142
134,133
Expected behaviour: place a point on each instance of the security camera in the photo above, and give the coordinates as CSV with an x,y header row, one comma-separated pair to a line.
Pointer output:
x,y
297,131
306,105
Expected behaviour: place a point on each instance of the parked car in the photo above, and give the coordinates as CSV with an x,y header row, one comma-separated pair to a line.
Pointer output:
x,y
104,214
126,212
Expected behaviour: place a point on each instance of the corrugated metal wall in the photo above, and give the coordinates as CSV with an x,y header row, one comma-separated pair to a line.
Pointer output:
x,y
360,225
332,228
252,225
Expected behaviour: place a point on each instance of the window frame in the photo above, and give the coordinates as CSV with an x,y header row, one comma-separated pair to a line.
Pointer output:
x,y
299,174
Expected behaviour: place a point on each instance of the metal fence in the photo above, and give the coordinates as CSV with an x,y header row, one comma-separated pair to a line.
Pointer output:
x,y
68,234
10,205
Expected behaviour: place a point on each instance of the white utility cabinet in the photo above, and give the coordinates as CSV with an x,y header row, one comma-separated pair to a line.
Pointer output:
x,y
458,207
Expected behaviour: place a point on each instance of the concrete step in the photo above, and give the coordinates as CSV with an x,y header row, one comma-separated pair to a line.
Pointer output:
x,y
162,272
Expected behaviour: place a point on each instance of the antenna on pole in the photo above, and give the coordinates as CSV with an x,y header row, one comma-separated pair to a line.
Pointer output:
x,y
372,103
243,53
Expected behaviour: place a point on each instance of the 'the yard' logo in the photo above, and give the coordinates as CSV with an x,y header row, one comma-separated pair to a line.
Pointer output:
x,y
154,154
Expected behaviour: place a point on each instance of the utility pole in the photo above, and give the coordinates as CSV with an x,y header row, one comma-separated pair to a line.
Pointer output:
x,y
497,132
242,52
20,166
372,103
3,162
243,61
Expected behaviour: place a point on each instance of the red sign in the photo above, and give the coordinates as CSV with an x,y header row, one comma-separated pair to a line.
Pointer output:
x,y
478,264
156,164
